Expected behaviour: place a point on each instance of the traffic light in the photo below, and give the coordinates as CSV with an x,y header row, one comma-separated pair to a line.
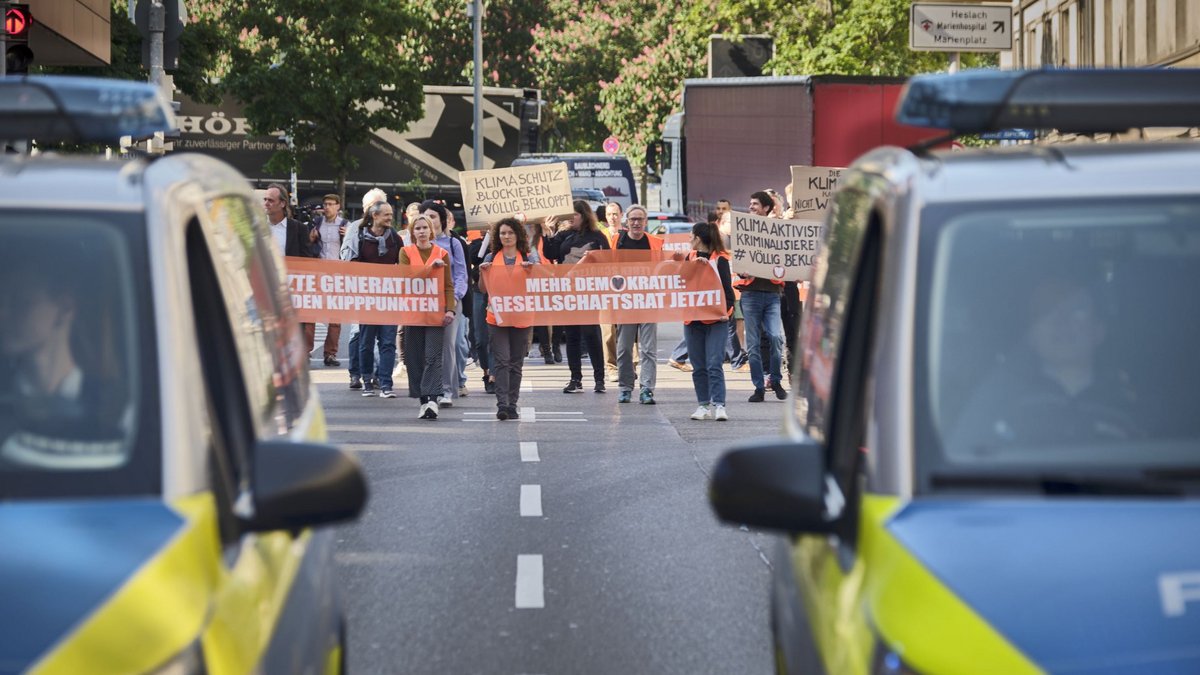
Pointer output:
x,y
18,56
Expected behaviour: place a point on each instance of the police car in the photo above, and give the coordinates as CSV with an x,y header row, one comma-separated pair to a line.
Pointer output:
x,y
162,454
991,461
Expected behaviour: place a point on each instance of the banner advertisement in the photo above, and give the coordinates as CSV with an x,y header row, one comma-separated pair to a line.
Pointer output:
x,y
525,192
812,190
335,291
774,248
606,287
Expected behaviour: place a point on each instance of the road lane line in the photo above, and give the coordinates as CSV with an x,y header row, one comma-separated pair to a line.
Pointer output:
x,y
529,582
527,386
531,501
528,415
529,451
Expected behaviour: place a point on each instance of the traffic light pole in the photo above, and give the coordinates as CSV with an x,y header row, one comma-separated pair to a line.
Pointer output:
x,y
4,39
158,24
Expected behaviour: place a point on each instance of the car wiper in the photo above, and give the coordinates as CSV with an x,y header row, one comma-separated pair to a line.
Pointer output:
x,y
1140,483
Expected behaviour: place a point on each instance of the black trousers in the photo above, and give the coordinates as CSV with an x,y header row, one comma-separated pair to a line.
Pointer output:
x,y
579,338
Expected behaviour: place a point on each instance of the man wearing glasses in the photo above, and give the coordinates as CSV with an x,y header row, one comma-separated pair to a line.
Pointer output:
x,y
635,238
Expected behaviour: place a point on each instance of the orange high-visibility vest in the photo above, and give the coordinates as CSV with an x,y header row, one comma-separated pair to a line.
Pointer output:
x,y
656,243
491,318
414,254
722,254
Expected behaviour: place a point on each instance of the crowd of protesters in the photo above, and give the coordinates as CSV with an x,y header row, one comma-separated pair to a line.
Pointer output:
x,y
750,336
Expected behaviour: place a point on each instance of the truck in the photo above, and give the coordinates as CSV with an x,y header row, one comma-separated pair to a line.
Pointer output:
x,y
422,161
742,134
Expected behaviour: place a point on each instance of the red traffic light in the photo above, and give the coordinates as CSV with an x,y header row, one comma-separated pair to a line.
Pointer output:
x,y
17,21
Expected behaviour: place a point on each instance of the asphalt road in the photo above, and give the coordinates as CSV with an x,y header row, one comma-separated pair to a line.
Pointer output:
x,y
577,540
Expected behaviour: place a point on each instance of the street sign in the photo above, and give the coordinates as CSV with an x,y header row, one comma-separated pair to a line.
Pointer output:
x,y
612,145
17,21
939,27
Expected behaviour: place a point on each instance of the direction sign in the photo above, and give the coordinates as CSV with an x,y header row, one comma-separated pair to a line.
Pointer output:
x,y
939,27
612,145
17,22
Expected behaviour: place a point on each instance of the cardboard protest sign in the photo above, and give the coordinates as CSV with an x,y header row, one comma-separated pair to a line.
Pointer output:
x,y
334,291
527,192
812,190
607,287
774,248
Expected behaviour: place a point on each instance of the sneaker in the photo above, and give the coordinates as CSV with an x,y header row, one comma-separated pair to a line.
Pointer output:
x,y
613,375
625,397
599,388
429,411
646,397
369,389
502,413
386,393
557,354
514,413
719,413
446,401
355,382
572,387
489,387
758,396
685,367
463,392
744,367
702,413
780,392
332,361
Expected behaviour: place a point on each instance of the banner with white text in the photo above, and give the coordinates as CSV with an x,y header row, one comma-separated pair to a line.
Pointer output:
x,y
524,192
774,248
334,291
606,287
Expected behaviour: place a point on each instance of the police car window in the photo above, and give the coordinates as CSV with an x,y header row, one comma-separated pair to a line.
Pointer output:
x,y
74,356
1061,334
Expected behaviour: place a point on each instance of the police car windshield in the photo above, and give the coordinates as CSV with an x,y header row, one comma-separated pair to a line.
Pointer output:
x,y
76,363
1059,335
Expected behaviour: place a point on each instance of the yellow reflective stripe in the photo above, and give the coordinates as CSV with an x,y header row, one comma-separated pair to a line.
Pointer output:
x,y
930,627
250,601
157,613
333,663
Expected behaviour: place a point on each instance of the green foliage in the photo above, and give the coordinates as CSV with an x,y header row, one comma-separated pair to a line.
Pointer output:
x,y
327,73
444,41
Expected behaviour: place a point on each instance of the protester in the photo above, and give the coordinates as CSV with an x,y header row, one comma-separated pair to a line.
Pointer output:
x,y
509,342
293,237
331,228
462,347
379,244
349,251
582,237
476,251
423,347
761,306
635,238
706,339
612,218
438,218
536,235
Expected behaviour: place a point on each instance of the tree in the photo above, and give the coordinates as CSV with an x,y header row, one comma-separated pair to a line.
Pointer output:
x,y
326,73
445,42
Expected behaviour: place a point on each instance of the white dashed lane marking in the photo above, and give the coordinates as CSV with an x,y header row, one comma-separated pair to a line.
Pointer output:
x,y
529,451
531,501
529,582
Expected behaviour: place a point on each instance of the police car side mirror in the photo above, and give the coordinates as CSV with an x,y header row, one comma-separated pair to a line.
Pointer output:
x,y
299,485
773,484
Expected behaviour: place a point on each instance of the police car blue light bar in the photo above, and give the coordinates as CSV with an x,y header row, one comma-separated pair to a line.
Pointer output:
x,y
81,109
1076,101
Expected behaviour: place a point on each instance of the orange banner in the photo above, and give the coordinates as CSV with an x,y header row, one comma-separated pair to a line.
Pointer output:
x,y
606,287
334,291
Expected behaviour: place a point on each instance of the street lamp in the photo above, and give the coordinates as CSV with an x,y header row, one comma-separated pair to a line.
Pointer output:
x,y
475,13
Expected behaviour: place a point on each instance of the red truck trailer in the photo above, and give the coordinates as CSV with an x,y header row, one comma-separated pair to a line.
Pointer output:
x,y
739,135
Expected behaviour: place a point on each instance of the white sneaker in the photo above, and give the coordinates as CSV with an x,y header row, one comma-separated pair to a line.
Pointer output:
x,y
719,414
702,413
429,411
445,400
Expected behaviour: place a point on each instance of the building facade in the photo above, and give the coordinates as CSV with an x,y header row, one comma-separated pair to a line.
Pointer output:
x,y
71,32
1104,33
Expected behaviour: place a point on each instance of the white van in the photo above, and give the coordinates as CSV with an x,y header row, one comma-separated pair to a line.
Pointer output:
x,y
610,174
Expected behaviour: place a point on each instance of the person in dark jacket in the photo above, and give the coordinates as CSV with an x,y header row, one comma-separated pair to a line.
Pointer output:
x,y
583,236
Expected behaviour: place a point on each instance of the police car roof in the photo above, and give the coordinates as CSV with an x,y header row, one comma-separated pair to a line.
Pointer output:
x,y
1088,170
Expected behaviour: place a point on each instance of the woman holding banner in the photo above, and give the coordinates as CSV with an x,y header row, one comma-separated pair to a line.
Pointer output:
x,y
583,236
706,339
509,342
423,344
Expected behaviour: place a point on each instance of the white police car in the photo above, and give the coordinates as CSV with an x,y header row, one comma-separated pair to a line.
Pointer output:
x,y
162,456
992,460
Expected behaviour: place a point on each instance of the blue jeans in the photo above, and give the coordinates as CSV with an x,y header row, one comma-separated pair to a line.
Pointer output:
x,y
706,350
761,310
355,368
464,350
483,349
680,353
386,335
